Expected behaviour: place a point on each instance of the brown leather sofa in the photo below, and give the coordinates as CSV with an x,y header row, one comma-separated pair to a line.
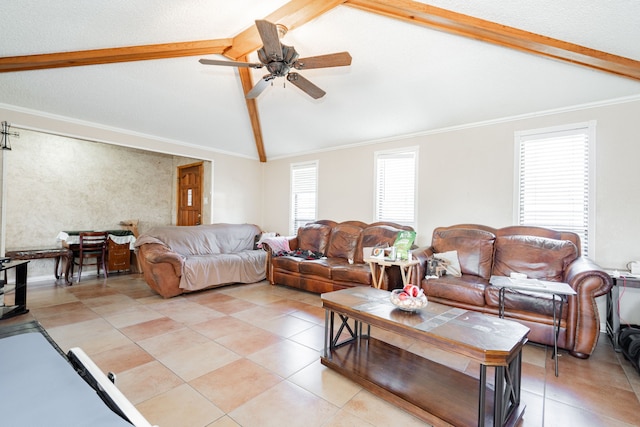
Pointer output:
x,y
339,242
539,253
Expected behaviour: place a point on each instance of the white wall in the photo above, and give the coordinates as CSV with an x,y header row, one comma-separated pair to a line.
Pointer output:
x,y
467,176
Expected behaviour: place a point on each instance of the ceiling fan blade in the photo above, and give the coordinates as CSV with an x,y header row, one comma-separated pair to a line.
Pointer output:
x,y
305,85
270,39
339,59
231,63
262,84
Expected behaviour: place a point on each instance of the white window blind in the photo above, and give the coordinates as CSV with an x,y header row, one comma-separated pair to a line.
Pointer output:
x,y
304,186
554,185
396,186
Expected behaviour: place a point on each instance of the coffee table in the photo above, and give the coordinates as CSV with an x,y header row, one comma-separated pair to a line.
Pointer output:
x,y
433,392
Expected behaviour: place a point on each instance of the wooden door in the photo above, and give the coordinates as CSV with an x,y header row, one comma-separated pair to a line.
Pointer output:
x,y
190,194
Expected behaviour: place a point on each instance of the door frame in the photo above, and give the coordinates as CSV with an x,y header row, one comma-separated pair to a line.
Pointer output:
x,y
200,166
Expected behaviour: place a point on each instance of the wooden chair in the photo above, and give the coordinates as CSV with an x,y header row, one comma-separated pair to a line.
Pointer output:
x,y
92,245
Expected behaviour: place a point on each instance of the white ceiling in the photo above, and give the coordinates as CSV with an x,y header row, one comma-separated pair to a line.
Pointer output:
x,y
404,78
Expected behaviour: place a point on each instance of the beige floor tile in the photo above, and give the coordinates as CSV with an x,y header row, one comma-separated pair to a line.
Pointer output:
x,y
379,412
312,337
63,314
310,313
223,303
257,294
259,314
131,315
151,328
93,336
49,296
286,326
558,414
284,405
180,407
326,383
108,304
285,357
225,421
346,419
185,311
180,339
146,381
235,384
600,391
222,326
122,358
197,360
251,340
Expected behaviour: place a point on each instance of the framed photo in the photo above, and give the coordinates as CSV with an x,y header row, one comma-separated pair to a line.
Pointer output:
x,y
377,252
388,254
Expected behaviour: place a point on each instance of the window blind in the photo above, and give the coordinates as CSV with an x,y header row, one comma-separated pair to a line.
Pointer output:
x,y
304,183
395,186
554,181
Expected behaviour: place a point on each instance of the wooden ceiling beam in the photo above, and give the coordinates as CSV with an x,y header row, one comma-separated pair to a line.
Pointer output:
x,y
487,31
291,15
252,109
111,55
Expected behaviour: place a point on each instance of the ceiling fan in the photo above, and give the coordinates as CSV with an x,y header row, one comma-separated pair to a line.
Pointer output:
x,y
279,59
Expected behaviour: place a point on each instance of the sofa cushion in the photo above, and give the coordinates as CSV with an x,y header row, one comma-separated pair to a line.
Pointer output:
x,y
322,267
353,273
343,241
314,237
468,289
375,235
537,257
287,263
474,247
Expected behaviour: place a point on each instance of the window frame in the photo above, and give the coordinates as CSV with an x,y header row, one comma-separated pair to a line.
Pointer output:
x,y
292,192
589,129
378,155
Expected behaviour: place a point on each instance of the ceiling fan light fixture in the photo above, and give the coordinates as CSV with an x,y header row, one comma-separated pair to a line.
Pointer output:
x,y
282,30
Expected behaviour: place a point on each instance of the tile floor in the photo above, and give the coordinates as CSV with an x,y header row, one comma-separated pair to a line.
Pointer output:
x,y
248,355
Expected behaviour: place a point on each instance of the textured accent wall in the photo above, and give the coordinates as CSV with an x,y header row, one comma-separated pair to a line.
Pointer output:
x,y
55,183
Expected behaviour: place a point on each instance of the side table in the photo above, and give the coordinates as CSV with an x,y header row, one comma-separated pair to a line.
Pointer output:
x,y
58,254
405,269
556,289
20,303
613,298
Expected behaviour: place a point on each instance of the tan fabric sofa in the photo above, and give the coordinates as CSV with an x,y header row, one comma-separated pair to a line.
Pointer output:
x,y
184,259
339,243
539,253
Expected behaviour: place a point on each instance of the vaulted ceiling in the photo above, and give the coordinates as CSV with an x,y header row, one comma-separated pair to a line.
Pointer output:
x,y
417,66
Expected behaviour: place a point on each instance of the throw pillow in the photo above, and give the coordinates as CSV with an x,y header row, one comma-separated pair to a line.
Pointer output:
x,y
452,264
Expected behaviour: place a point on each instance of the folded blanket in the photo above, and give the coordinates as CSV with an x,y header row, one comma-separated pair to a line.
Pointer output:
x,y
278,243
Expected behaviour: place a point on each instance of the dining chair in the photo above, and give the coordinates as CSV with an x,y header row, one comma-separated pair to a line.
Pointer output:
x,y
92,245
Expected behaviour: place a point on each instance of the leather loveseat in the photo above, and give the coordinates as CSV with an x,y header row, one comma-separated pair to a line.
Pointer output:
x,y
539,253
337,243
176,259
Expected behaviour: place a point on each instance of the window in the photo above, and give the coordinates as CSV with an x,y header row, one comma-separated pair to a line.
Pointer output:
x,y
304,188
395,191
555,180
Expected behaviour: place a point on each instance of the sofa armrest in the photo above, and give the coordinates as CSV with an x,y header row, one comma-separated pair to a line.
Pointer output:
x,y
155,253
584,275
421,254
589,281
